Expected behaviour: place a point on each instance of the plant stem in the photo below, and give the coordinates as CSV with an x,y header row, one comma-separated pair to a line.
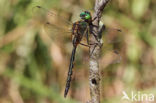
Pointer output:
x,y
94,74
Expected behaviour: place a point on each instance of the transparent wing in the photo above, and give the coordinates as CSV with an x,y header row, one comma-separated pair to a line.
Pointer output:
x,y
112,35
57,32
112,45
52,15
54,23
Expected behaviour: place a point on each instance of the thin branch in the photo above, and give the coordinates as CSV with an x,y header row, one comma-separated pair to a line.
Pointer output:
x,y
94,75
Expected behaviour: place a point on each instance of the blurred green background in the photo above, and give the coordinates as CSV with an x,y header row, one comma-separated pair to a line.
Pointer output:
x,y
34,63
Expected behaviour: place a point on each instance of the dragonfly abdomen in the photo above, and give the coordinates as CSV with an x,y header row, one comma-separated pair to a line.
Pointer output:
x,y
70,71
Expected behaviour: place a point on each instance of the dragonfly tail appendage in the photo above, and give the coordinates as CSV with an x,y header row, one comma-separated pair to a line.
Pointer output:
x,y
70,72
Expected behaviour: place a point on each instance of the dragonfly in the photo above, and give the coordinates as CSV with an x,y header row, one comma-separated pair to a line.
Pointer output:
x,y
79,30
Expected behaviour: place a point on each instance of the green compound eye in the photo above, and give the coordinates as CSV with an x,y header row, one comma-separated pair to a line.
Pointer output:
x,y
87,17
82,14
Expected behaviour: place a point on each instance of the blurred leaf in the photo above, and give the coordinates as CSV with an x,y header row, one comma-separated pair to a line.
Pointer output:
x,y
139,7
37,87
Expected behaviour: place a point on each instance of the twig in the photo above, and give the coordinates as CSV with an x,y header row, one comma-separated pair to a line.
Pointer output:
x,y
94,75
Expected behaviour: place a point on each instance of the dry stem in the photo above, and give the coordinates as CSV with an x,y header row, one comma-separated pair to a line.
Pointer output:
x,y
94,75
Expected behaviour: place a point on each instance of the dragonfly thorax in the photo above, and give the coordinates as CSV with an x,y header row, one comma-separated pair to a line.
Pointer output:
x,y
78,30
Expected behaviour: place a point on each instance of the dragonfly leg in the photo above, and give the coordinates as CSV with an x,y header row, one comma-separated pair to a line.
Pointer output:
x,y
96,37
87,36
95,17
95,44
85,45
88,44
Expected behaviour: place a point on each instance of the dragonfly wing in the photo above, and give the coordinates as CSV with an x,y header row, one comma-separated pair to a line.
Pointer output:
x,y
52,15
52,22
110,55
112,35
55,31
112,44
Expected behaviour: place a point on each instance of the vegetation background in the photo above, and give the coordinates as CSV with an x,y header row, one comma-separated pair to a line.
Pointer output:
x,y
34,65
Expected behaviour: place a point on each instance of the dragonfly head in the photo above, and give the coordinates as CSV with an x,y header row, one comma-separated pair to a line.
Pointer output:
x,y
86,15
